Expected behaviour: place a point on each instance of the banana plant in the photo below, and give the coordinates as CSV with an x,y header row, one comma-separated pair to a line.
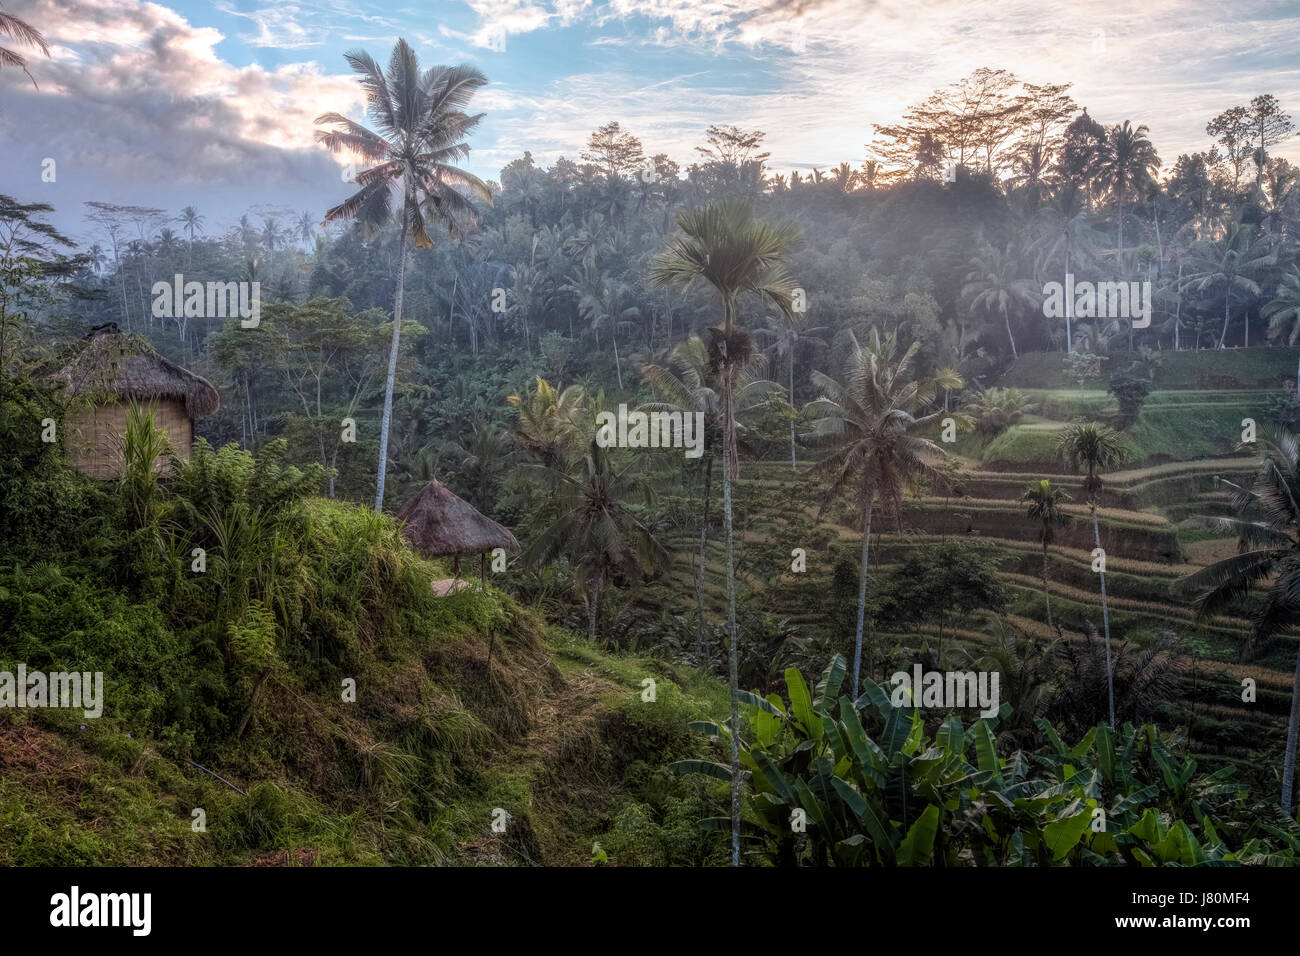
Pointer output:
x,y
834,781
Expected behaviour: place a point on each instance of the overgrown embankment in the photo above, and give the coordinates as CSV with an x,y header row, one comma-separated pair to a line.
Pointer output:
x,y
293,647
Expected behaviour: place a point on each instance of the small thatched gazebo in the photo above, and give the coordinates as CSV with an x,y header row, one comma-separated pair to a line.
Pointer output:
x,y
439,524
112,370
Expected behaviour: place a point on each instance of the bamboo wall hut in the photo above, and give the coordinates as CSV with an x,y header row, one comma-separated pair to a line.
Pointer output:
x,y
439,524
110,372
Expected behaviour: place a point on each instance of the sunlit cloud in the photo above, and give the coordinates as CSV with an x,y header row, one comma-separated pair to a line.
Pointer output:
x,y
278,26
228,95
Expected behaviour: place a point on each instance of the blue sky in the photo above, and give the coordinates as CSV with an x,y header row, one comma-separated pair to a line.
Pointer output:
x,y
212,103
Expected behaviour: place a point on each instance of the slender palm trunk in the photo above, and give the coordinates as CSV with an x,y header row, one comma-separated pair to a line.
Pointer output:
x,y
618,368
733,660
1178,308
1223,336
1120,257
699,571
1069,345
868,493
729,458
1288,763
248,405
121,282
593,608
387,420
1047,594
1007,319
794,465
1105,620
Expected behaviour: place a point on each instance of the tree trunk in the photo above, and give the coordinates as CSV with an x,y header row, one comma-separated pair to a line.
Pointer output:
x,y
252,703
121,284
1047,595
1288,763
593,608
618,368
699,571
1223,336
1119,259
733,659
868,493
1178,308
1105,620
387,420
248,406
1069,346
1007,319
730,458
794,464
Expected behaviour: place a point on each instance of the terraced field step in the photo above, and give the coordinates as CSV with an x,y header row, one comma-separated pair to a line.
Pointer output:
x,y
1227,626
1149,608
1125,478
1153,541
883,542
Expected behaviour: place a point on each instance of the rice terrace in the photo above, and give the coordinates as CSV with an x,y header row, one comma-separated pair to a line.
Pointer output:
x,y
602,435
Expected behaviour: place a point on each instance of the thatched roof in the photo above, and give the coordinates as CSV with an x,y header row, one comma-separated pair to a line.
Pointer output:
x,y
113,364
438,524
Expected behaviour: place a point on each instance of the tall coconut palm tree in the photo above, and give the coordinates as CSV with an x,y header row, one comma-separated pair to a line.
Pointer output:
x,y
306,228
1068,232
868,417
483,459
1096,448
603,304
786,334
1128,166
688,383
95,258
994,285
845,177
1046,507
529,294
23,32
551,421
1280,198
191,222
725,246
1232,263
1283,311
1170,287
422,127
272,234
596,529
248,234
1268,531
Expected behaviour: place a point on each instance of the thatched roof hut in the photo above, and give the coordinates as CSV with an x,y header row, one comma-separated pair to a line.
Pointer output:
x,y
112,365
113,369
438,524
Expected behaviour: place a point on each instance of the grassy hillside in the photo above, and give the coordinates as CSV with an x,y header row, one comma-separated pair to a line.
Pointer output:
x,y
479,707
352,716
555,733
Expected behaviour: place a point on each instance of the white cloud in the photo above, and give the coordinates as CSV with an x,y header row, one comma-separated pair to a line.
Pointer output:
x,y
278,26
140,95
